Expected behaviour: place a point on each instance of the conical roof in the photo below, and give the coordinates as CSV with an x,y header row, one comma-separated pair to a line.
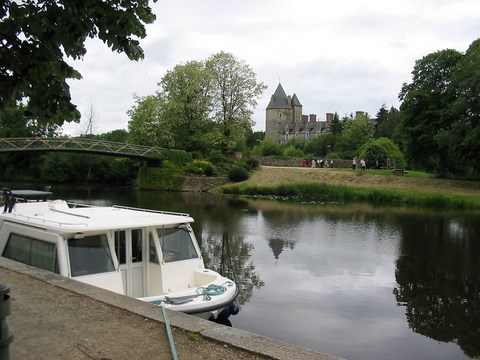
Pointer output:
x,y
279,99
295,101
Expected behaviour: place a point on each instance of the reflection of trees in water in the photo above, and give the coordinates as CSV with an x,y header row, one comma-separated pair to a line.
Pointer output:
x,y
230,256
438,276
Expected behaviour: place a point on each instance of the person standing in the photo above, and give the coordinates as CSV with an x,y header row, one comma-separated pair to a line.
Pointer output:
x,y
363,165
354,163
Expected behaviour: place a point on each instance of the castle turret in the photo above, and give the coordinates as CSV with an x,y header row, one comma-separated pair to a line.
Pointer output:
x,y
279,113
297,109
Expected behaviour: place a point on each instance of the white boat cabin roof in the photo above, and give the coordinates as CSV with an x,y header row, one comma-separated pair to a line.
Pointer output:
x,y
59,217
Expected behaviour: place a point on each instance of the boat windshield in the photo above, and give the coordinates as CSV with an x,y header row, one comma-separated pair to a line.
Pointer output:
x,y
90,255
176,244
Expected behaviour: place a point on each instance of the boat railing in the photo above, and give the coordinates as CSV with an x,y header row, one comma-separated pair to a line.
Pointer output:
x,y
152,211
37,220
74,204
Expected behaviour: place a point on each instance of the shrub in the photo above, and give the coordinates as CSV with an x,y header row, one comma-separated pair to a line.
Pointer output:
x,y
238,173
164,177
200,167
252,163
178,157
292,151
216,157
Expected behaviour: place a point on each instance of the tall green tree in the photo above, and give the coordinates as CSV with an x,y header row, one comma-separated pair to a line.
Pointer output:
x,y
186,92
234,92
336,126
36,37
386,122
465,109
426,117
382,116
356,132
147,124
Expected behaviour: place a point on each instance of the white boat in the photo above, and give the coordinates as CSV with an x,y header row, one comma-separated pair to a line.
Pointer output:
x,y
149,255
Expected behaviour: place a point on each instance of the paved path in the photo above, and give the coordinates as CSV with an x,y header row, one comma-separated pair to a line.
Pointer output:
x,y
57,318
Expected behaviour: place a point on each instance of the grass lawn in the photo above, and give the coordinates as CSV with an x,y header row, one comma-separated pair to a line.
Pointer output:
x,y
412,185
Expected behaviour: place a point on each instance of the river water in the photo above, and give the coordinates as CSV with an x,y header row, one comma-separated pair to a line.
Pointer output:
x,y
354,281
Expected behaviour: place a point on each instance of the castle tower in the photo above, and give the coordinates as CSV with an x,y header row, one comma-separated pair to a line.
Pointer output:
x,y
297,109
281,111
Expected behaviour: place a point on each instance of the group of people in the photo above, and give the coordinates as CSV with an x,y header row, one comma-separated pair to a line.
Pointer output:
x,y
363,164
318,163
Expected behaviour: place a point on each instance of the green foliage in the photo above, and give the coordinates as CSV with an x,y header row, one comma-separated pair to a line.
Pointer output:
x,y
201,105
217,158
336,126
57,167
382,151
268,148
119,136
178,157
13,122
440,116
165,177
334,193
356,132
200,167
254,138
148,125
187,104
238,173
321,145
386,122
234,92
292,151
37,34
252,163
249,163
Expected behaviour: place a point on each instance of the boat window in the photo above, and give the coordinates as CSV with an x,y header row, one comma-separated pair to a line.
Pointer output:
x,y
176,244
153,252
137,242
30,251
120,246
90,255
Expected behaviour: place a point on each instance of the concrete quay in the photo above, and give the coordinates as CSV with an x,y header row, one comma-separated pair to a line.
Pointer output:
x,y
53,317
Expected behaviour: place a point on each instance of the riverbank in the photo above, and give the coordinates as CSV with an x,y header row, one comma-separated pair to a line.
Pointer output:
x,y
53,317
358,186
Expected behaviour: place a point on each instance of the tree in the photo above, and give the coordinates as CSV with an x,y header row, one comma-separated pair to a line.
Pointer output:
x,y
147,125
380,121
186,92
382,152
234,92
466,111
36,36
356,132
321,145
426,118
336,126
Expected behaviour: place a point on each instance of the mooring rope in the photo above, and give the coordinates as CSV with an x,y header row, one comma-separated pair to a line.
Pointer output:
x,y
169,333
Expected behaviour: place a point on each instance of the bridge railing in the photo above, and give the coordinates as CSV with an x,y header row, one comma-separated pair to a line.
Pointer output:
x,y
78,144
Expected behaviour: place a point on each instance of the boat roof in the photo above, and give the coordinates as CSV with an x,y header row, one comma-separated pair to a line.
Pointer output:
x,y
62,217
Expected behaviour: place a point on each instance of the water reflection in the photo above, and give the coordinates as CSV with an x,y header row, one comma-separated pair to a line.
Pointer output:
x,y
354,281
439,279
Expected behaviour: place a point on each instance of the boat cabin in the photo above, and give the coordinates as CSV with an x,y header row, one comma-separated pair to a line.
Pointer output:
x,y
140,253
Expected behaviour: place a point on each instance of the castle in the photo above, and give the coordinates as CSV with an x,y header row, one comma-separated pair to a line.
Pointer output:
x,y
285,121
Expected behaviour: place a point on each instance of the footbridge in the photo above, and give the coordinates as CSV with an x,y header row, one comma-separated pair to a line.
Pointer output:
x,y
84,145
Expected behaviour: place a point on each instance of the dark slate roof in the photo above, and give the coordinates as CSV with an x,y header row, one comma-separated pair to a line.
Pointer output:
x,y
279,99
295,100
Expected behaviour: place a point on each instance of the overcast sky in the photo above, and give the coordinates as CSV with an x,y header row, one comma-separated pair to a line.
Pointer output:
x,y
340,55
